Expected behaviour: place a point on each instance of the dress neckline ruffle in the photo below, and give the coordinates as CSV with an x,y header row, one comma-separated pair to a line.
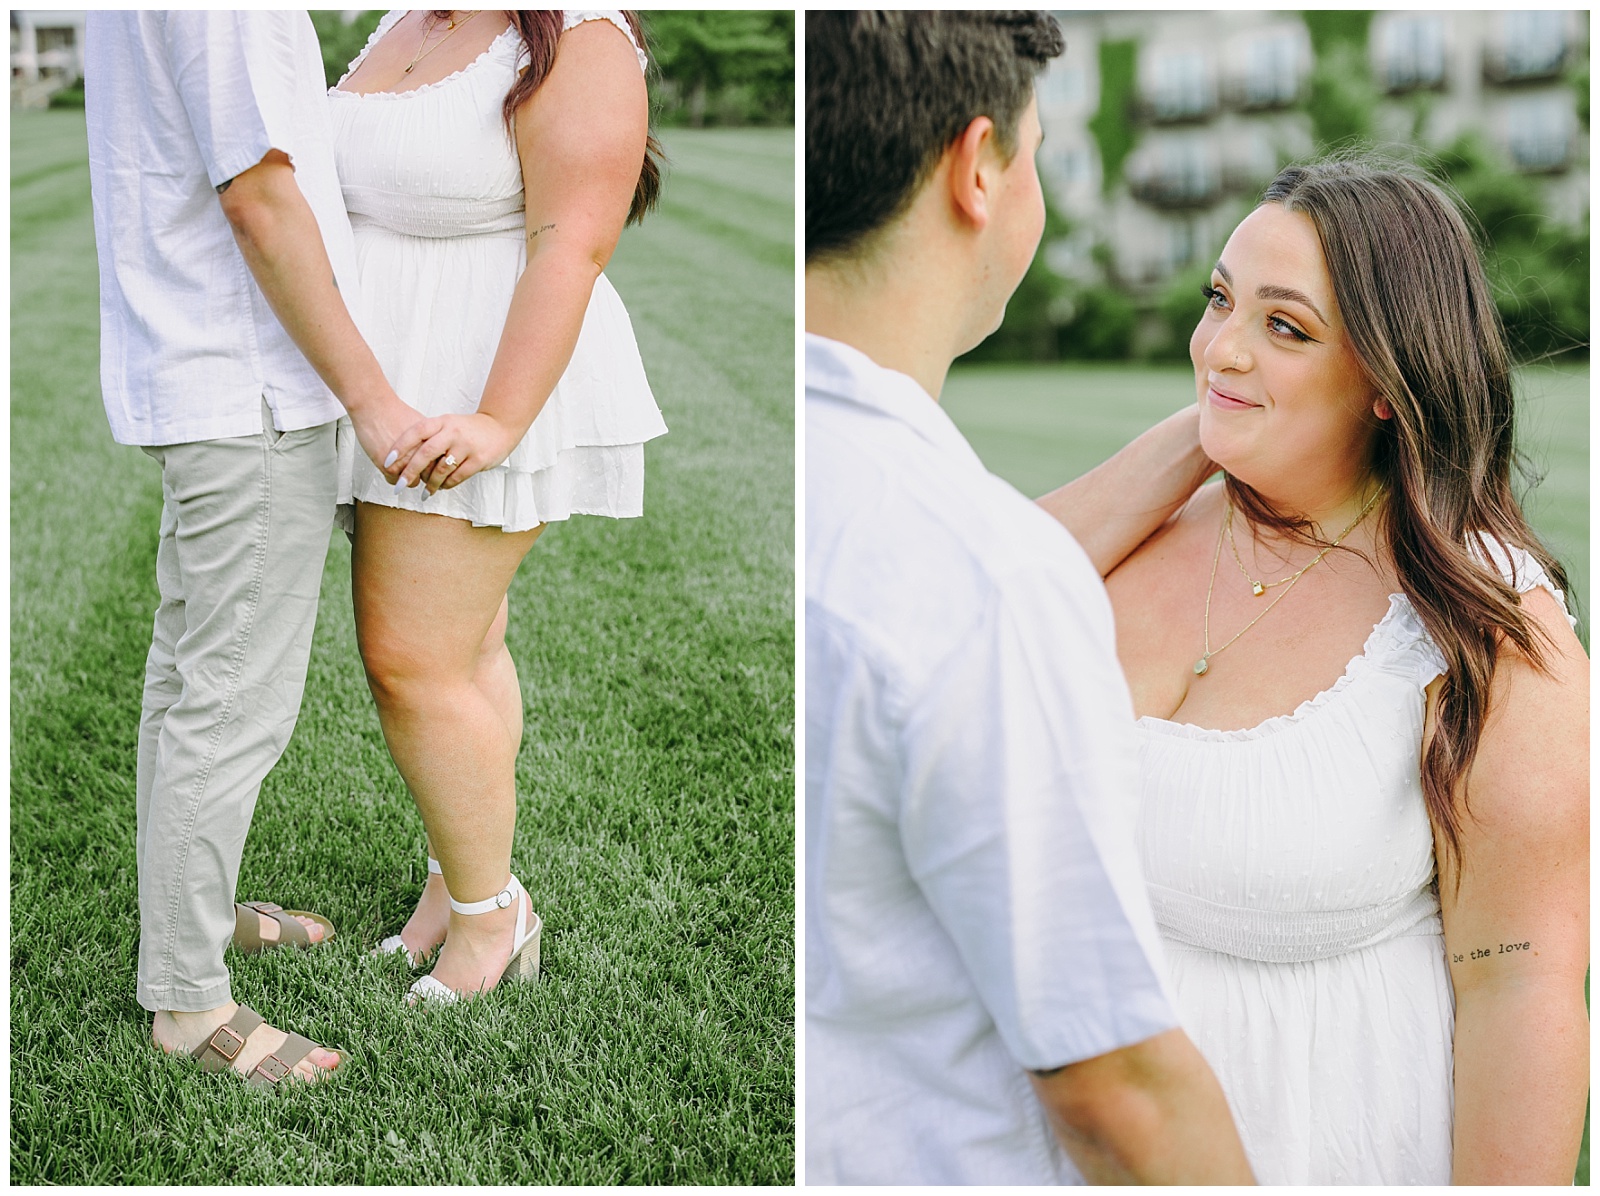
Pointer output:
x,y
387,23
1399,629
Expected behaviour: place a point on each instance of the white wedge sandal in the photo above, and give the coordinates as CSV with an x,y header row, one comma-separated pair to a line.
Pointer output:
x,y
395,945
524,961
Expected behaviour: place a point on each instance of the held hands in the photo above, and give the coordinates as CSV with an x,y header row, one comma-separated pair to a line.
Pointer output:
x,y
378,424
445,450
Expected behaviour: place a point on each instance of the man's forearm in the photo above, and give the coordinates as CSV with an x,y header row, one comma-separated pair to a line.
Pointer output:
x,y
282,244
1116,506
1151,1113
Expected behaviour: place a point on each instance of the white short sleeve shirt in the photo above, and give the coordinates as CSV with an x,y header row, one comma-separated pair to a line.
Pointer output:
x,y
179,102
974,905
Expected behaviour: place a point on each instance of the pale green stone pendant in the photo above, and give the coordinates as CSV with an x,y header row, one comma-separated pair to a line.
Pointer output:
x,y
1200,666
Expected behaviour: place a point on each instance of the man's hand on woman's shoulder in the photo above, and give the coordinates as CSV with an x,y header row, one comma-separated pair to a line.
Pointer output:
x,y
1119,504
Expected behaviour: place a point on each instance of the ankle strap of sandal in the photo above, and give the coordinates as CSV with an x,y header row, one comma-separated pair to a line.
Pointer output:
x,y
501,900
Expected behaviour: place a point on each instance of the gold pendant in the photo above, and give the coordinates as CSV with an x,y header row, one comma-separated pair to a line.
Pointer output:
x,y
1200,666
1257,588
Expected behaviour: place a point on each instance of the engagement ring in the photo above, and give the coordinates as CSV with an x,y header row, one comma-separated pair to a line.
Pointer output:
x,y
450,460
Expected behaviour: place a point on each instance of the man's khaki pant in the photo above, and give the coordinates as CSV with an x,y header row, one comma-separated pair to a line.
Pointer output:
x,y
245,524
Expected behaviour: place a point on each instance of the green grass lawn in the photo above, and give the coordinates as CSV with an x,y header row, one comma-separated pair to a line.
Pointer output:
x,y
1040,426
655,783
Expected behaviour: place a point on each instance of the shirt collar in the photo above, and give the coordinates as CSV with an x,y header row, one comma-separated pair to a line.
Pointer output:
x,y
841,372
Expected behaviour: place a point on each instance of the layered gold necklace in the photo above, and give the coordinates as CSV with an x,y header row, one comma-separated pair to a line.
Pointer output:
x,y
1258,588
431,23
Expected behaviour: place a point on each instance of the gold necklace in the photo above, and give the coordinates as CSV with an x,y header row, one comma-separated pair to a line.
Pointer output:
x,y
1258,588
432,25
1203,665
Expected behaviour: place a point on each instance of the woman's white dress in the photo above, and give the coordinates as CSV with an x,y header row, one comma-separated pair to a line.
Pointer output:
x,y
433,186
1291,870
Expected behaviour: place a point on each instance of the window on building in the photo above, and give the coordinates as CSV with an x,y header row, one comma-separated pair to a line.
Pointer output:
x,y
1180,84
1063,84
1272,70
1066,165
1182,245
59,38
1411,51
1539,130
1176,171
1533,44
1076,165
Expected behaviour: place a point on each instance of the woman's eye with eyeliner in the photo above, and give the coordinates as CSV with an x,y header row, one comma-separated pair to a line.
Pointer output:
x,y
1284,328
1214,298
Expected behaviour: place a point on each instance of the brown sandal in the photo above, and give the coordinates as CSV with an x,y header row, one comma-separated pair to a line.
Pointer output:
x,y
218,1052
247,927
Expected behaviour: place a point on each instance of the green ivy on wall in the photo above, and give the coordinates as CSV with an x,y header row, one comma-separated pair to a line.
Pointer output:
x,y
1342,97
1112,125
1330,27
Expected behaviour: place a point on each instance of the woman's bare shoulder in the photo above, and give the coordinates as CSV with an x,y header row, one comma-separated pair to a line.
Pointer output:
x,y
1533,756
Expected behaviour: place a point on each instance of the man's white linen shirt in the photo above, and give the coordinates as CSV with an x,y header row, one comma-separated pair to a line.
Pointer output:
x,y
178,103
974,905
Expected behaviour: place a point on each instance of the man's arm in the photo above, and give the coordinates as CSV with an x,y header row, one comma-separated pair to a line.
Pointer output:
x,y
1151,1113
282,245
1117,505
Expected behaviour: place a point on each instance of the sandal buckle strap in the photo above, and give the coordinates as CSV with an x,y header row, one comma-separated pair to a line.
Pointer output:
x,y
271,1069
501,900
221,1044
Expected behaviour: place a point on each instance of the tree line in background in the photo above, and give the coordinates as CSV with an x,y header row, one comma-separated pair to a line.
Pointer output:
x,y
712,67
1538,268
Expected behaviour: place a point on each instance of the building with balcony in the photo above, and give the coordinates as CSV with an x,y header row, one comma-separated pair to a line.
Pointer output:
x,y
46,54
1217,104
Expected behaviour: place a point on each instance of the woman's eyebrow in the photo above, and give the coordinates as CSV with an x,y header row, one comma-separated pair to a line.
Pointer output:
x,y
1273,291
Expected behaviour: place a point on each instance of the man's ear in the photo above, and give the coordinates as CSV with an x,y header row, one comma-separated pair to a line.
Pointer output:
x,y
972,158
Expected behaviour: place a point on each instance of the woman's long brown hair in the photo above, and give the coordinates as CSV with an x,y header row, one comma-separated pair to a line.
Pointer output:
x,y
540,30
1411,287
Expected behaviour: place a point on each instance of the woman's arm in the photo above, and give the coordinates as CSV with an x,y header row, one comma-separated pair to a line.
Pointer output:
x,y
581,138
1117,505
1517,929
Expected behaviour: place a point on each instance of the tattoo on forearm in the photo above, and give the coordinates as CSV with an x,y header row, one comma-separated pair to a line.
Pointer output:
x,y
1485,952
542,229
224,185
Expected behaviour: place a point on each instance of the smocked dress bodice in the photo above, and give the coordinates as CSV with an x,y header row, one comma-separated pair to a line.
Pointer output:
x,y
1291,870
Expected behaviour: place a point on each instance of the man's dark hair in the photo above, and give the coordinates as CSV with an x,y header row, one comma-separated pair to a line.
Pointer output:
x,y
886,95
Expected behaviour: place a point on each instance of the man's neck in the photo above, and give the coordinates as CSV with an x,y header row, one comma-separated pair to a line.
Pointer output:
x,y
905,317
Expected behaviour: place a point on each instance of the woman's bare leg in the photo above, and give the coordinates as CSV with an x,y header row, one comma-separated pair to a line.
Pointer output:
x,y
429,602
497,678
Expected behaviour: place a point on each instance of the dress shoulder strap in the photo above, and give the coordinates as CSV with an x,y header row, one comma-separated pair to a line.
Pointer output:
x,y
385,23
1519,567
573,17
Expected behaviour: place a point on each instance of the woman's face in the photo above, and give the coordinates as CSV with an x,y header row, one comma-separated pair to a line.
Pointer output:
x,y
1284,404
